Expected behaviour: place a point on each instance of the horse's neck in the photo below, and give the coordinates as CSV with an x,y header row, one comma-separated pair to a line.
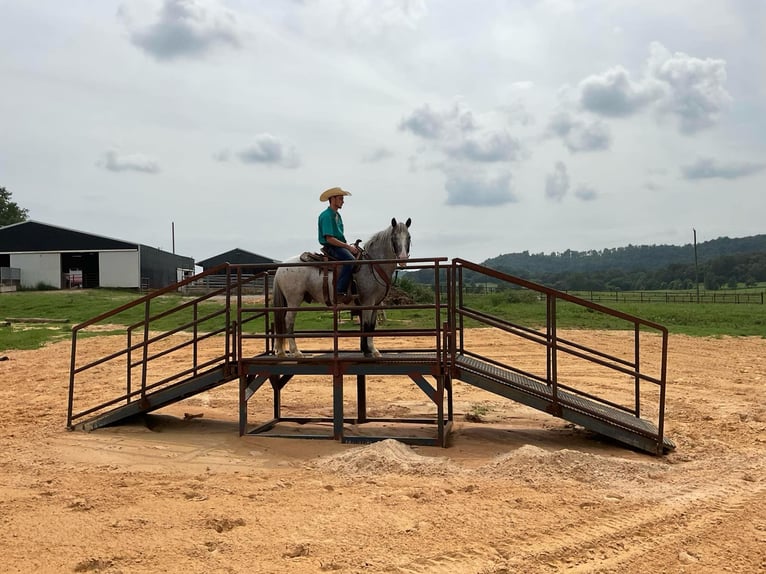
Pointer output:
x,y
379,247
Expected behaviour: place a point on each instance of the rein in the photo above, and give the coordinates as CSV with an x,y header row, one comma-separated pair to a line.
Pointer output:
x,y
378,271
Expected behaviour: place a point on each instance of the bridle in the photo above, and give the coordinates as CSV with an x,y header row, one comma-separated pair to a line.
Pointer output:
x,y
378,273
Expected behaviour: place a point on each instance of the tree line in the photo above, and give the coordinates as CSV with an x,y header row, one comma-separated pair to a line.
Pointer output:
x,y
723,262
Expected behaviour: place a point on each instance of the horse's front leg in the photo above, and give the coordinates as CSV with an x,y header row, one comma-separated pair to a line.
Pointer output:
x,y
368,324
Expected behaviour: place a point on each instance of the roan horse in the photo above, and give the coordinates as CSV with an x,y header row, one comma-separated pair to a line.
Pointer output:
x,y
294,285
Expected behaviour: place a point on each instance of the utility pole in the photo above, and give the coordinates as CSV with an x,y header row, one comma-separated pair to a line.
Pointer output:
x,y
696,270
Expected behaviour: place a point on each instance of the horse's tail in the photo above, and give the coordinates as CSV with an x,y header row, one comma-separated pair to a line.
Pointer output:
x,y
279,314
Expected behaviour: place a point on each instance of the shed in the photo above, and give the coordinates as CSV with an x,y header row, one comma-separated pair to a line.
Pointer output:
x,y
64,258
238,256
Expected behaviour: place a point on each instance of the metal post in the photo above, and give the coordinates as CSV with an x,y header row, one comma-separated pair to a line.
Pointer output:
x,y
696,270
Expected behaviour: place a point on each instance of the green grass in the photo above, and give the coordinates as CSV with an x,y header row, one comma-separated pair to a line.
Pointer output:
x,y
68,308
517,306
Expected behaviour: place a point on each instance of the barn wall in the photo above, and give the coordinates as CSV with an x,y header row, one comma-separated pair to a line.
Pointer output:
x,y
38,268
119,269
160,268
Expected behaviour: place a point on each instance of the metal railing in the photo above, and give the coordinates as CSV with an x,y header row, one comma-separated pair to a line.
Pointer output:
x,y
556,345
330,339
146,344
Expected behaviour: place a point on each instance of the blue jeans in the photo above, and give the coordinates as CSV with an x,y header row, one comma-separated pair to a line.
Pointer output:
x,y
344,277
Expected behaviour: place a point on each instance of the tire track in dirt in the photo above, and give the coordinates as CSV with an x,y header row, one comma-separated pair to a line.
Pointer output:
x,y
609,542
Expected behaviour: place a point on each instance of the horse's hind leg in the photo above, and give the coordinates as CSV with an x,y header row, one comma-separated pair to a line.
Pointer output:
x,y
290,330
369,321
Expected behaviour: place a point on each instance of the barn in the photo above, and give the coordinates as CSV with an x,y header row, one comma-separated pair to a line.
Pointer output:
x,y
64,258
237,256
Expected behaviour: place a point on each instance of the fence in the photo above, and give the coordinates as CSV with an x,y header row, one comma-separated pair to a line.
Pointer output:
x,y
214,282
750,298
10,278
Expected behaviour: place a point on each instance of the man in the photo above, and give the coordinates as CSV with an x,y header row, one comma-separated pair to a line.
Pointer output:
x,y
330,227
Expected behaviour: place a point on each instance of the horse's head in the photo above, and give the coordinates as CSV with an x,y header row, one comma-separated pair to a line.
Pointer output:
x,y
400,240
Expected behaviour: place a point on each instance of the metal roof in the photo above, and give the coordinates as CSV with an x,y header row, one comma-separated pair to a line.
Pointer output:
x,y
235,256
31,236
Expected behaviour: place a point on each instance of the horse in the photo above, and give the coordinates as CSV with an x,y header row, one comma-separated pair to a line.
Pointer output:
x,y
294,285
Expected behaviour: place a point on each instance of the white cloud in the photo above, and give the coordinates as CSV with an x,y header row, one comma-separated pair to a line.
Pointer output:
x,y
185,28
578,134
694,91
479,189
491,146
113,160
431,124
613,93
557,183
585,192
378,154
690,90
265,149
709,168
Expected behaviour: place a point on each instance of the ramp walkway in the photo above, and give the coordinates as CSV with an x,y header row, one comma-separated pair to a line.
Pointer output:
x,y
175,348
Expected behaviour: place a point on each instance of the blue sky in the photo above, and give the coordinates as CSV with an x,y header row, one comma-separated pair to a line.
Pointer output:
x,y
497,127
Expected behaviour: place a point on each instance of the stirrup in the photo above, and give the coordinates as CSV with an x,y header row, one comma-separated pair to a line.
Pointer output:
x,y
344,298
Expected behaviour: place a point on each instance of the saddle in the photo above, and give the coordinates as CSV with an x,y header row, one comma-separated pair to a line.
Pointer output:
x,y
324,256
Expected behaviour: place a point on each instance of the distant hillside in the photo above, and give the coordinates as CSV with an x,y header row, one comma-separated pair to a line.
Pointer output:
x,y
722,261
630,258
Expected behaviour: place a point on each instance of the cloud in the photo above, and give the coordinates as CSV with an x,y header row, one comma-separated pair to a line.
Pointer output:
x,y
487,147
479,189
112,160
372,16
377,155
585,193
614,94
695,91
430,124
462,148
579,135
709,168
689,89
557,183
186,28
265,149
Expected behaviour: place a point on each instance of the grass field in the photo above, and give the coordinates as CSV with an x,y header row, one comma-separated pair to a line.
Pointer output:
x,y
30,319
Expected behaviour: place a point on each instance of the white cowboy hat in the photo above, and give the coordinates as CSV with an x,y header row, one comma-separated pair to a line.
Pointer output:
x,y
332,192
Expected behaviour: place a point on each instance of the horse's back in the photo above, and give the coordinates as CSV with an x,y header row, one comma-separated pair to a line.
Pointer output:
x,y
295,282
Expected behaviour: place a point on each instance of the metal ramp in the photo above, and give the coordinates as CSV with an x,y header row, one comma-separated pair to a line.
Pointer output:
x,y
602,418
168,354
162,350
158,399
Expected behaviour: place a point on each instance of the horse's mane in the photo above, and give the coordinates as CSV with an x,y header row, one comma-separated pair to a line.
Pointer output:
x,y
383,235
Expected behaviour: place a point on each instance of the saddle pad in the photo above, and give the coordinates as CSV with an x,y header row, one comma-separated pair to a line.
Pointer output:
x,y
307,256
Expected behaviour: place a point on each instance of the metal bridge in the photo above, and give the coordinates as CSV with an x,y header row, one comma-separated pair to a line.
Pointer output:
x,y
172,349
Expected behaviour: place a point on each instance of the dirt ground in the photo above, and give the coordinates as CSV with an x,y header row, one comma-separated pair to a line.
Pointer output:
x,y
517,490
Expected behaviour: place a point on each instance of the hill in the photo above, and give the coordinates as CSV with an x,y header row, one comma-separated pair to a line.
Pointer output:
x,y
722,261
630,258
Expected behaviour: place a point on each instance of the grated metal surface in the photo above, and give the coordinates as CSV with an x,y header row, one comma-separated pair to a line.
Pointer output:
x,y
582,406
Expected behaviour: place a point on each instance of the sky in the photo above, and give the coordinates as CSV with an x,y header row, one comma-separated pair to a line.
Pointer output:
x,y
202,126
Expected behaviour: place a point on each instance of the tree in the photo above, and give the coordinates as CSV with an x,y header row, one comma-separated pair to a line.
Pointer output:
x,y
10,212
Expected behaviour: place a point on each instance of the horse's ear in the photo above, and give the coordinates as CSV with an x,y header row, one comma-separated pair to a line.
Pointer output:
x,y
393,222
408,222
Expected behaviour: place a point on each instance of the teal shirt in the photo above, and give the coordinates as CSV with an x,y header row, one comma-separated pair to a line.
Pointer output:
x,y
330,223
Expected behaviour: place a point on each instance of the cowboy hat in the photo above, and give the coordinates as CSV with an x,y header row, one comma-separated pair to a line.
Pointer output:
x,y
332,192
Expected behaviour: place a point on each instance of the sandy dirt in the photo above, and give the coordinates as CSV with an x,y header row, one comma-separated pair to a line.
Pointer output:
x,y
516,491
